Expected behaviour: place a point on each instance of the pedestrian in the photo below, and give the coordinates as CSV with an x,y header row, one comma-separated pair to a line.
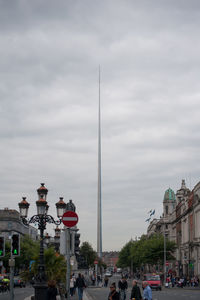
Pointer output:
x,y
147,293
123,285
113,295
80,284
135,292
93,278
72,285
52,291
106,281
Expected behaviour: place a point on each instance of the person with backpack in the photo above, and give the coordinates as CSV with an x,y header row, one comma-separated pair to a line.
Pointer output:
x,y
80,284
135,292
123,286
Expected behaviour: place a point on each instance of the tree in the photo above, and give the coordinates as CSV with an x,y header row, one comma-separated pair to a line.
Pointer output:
x,y
88,253
125,255
146,250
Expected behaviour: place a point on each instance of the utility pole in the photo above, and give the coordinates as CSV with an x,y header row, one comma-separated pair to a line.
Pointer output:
x,y
164,258
67,235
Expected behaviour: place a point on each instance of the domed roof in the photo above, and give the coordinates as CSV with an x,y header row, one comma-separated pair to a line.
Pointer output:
x,y
169,195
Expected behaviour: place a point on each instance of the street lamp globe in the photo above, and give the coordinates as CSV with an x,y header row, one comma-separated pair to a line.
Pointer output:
x,y
41,206
23,207
42,190
47,239
60,207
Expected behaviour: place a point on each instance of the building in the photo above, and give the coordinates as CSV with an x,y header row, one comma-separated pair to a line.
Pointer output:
x,y
180,222
10,222
110,259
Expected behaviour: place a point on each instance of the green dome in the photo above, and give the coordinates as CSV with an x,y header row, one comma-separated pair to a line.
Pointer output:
x,y
169,195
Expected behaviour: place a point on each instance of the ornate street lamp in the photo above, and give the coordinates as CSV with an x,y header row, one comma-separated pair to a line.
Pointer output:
x,y
42,218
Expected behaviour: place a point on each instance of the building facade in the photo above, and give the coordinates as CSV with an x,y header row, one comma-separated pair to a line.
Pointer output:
x,y
10,222
180,222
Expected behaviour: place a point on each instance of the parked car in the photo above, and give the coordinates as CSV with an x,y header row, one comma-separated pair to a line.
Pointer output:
x,y
153,281
19,282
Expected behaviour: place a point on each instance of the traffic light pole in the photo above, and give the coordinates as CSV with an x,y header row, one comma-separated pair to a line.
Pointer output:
x,y
11,265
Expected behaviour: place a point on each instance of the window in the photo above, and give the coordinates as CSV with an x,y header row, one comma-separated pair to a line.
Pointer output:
x,y
166,210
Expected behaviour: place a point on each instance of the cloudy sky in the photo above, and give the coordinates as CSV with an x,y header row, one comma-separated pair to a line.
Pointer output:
x,y
50,52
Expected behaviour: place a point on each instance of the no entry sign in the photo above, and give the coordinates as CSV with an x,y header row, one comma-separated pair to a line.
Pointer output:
x,y
70,218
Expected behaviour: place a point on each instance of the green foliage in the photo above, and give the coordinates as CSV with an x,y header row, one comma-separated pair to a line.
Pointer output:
x,y
29,249
145,251
89,254
55,265
125,255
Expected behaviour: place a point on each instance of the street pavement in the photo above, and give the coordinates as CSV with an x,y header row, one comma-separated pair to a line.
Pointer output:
x,y
19,293
165,294
101,293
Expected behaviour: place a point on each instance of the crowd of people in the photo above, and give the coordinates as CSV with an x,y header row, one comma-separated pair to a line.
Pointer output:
x,y
119,291
172,281
135,291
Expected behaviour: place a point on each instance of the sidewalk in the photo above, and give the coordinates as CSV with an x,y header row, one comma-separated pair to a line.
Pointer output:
x,y
75,297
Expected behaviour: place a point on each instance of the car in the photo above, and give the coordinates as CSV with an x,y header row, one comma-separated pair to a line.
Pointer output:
x,y
19,282
153,281
108,274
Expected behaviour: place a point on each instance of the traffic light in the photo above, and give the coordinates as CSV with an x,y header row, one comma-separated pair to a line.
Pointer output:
x,y
77,242
15,247
2,246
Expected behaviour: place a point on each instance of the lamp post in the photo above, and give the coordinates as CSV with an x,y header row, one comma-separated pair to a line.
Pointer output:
x,y
42,218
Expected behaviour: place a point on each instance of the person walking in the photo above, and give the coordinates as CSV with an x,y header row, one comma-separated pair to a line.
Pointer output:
x,y
123,285
80,284
113,295
147,293
135,292
52,291
72,285
106,281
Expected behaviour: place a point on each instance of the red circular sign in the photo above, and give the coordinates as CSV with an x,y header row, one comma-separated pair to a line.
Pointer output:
x,y
70,218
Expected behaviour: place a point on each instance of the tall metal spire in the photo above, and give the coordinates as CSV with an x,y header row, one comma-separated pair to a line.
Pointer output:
x,y
99,208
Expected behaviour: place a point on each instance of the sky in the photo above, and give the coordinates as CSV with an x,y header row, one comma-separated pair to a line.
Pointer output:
x,y
50,52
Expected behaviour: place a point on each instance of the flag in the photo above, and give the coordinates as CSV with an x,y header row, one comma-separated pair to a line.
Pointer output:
x,y
152,213
147,220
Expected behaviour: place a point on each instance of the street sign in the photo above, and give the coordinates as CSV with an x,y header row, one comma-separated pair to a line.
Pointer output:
x,y
96,262
70,218
167,263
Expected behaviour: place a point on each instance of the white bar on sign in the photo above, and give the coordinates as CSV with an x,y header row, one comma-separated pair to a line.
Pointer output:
x,y
69,219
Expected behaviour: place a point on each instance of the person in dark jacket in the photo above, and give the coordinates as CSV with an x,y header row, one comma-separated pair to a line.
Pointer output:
x,y
135,292
52,290
80,284
113,295
122,285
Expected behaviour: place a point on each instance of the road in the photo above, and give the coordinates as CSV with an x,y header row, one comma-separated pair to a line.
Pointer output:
x,y
19,293
93,293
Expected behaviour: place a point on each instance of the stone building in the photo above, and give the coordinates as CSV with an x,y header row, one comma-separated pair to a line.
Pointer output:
x,y
180,222
10,222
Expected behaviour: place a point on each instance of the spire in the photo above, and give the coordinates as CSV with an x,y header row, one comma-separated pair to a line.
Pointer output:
x,y
99,217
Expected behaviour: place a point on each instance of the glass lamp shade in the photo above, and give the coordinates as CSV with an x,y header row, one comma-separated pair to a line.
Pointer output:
x,y
61,207
47,239
47,208
41,206
23,207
